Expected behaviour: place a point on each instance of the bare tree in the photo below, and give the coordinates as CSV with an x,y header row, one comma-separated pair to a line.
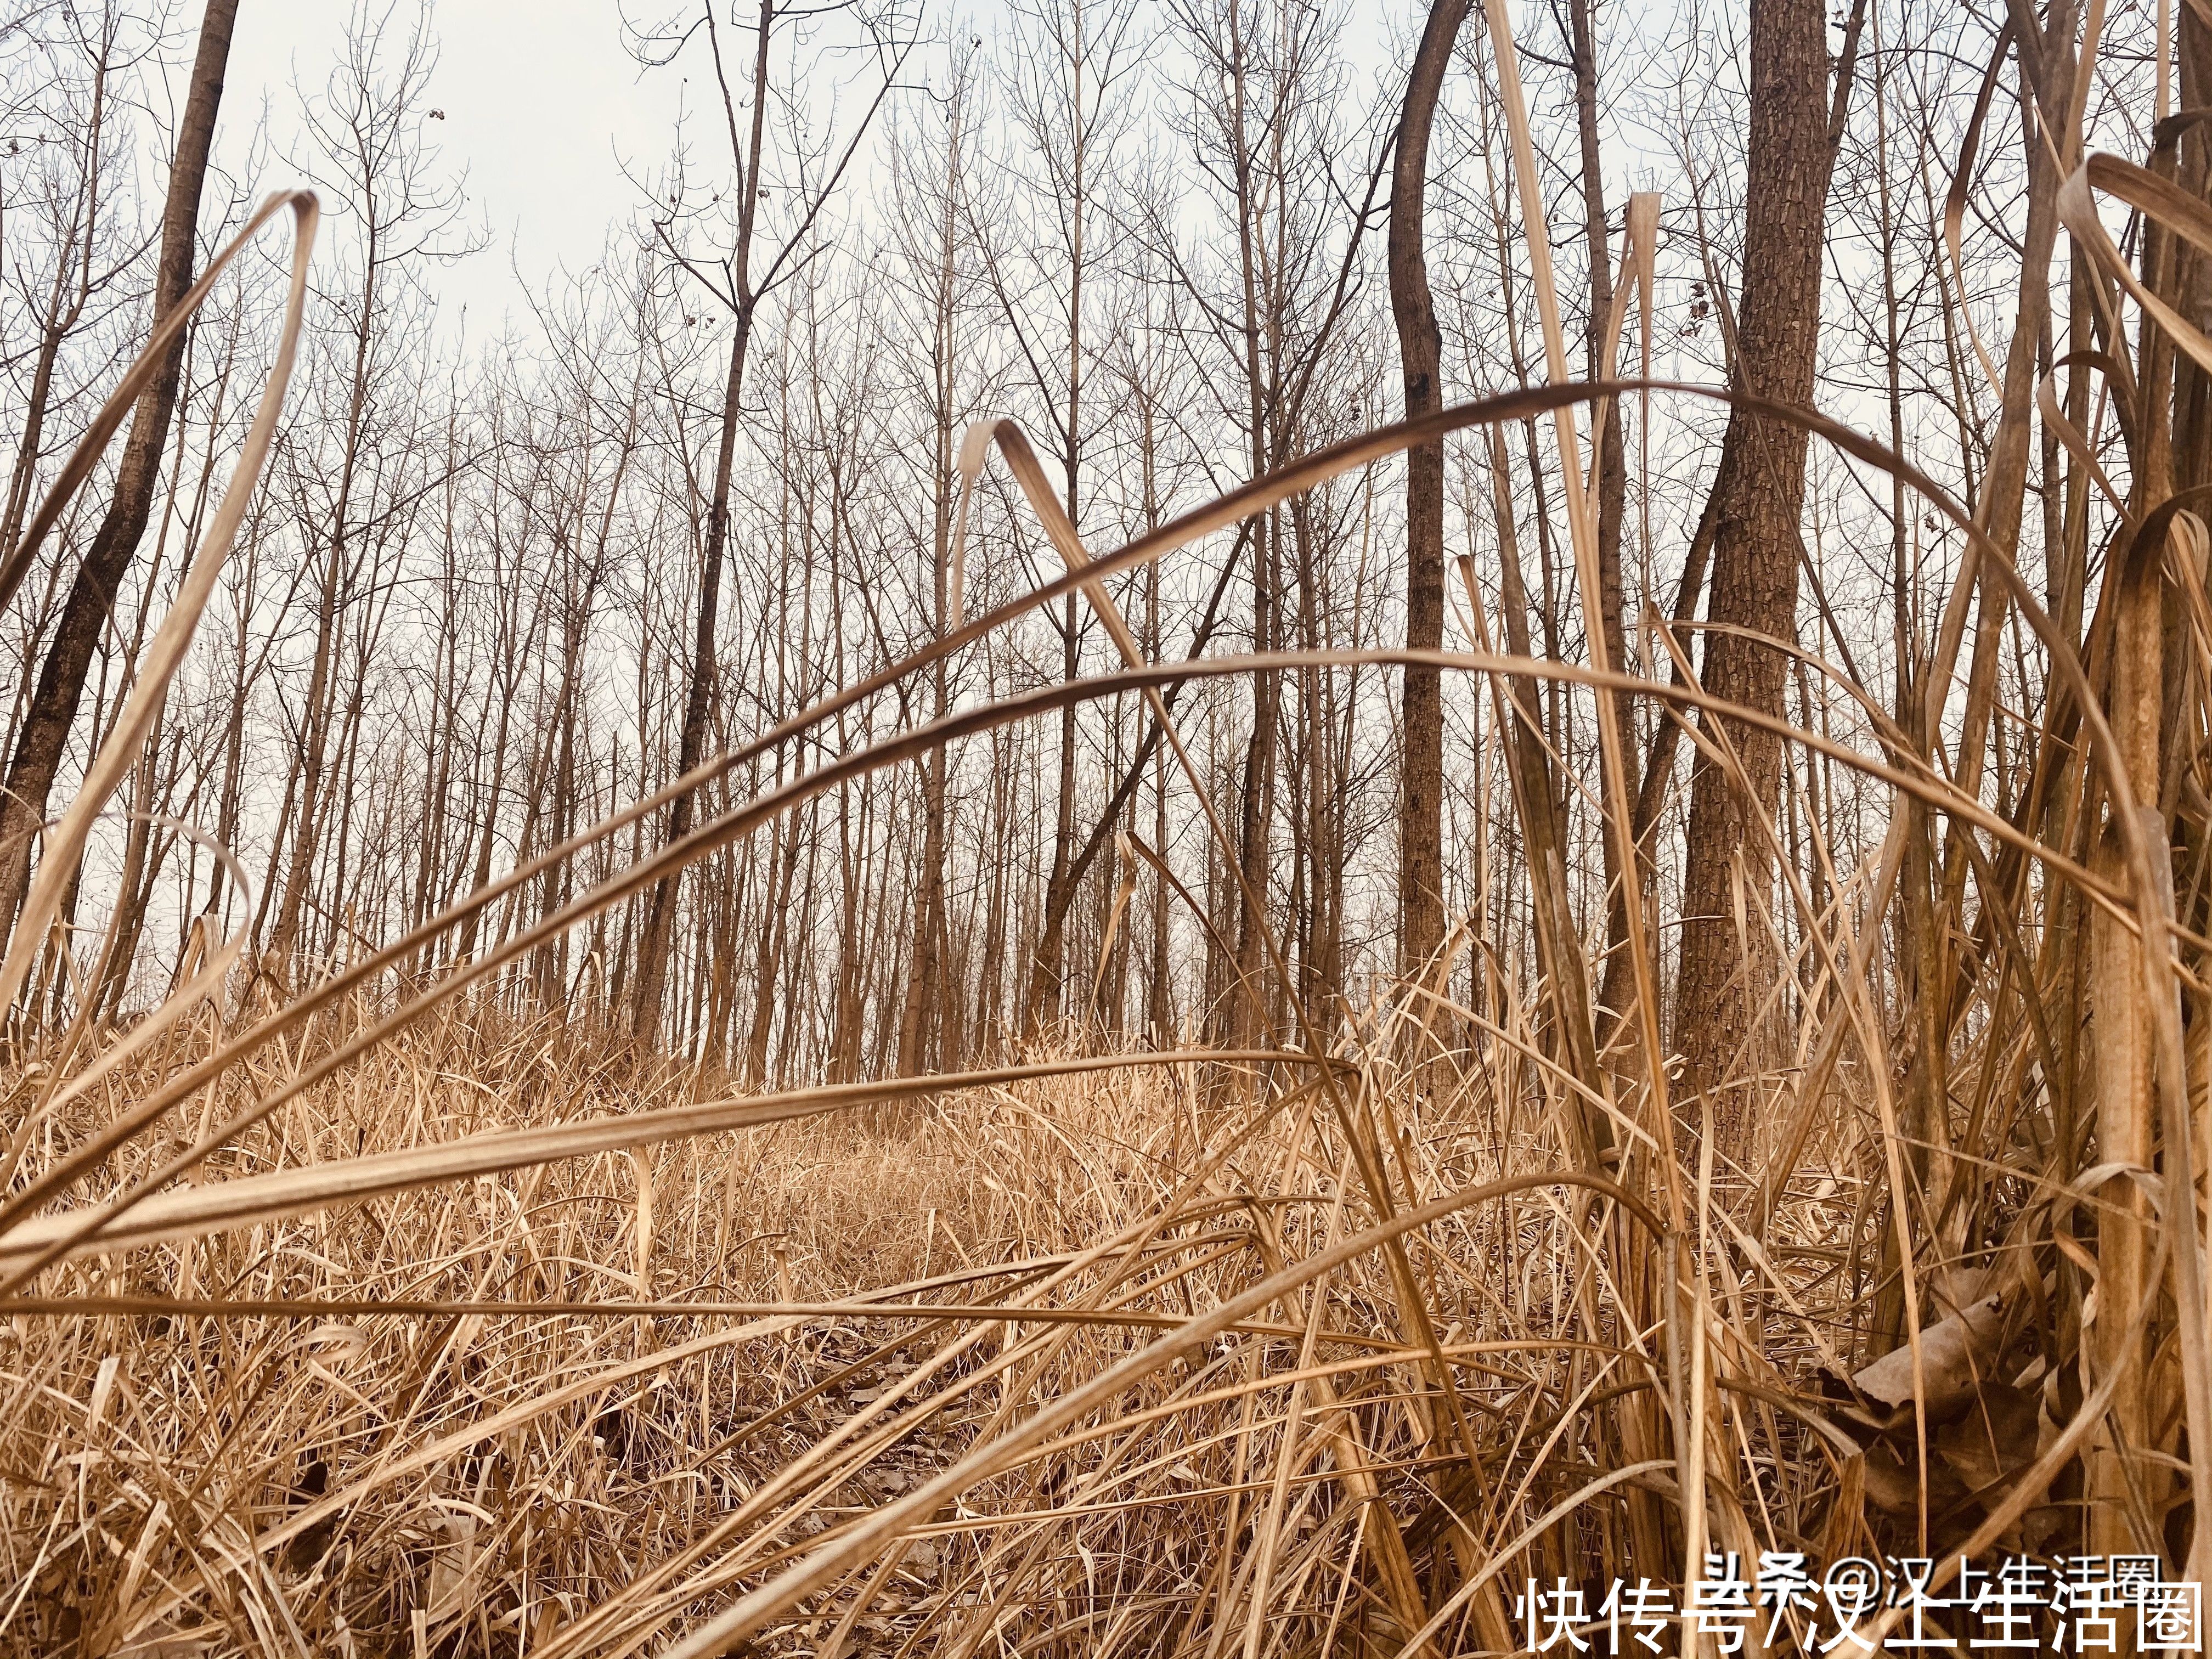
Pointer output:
x,y
1066,87
1758,497
936,247
1420,351
733,281
88,610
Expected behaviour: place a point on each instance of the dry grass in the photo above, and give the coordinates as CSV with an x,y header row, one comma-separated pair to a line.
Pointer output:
x,y
611,1459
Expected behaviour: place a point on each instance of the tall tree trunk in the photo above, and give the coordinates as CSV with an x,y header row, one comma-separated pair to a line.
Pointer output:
x,y
920,1014
1420,353
1617,983
52,710
698,697
1755,551
1047,1000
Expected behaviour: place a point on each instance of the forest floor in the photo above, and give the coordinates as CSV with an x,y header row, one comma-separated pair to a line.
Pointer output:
x,y
614,1390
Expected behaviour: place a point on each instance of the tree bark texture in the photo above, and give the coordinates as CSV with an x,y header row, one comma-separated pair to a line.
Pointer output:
x,y
1755,539
1420,352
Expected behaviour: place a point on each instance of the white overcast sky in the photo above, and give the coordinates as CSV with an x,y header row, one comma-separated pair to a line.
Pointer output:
x,y
542,104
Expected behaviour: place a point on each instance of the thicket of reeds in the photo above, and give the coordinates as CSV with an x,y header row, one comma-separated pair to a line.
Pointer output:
x,y
361,1313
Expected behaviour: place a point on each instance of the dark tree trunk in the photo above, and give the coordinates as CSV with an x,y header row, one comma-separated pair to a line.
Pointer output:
x,y
698,699
1420,352
655,946
1755,539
